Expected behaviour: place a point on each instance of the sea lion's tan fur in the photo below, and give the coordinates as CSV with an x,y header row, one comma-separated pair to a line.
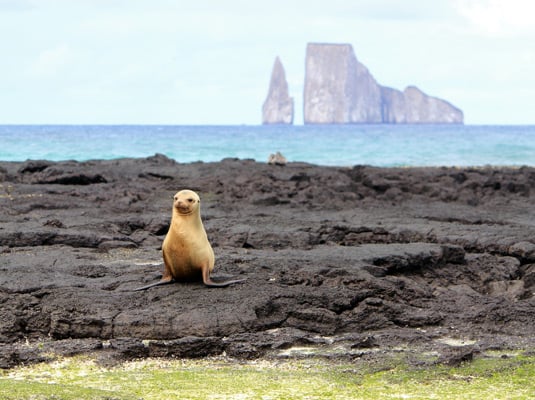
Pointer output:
x,y
187,253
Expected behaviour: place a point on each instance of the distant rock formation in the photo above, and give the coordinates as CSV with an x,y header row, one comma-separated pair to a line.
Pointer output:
x,y
412,106
279,106
339,89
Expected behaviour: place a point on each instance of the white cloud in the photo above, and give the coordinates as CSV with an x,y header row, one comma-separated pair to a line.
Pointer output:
x,y
499,17
15,5
51,61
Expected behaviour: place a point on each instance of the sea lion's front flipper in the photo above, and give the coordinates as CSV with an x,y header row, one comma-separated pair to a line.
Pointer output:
x,y
210,283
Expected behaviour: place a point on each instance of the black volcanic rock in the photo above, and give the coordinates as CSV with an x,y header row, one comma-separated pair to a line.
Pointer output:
x,y
358,257
278,107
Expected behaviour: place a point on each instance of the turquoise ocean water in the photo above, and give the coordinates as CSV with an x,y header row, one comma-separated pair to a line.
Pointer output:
x,y
340,145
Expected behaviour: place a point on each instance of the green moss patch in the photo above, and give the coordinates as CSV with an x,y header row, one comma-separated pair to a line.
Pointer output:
x,y
490,376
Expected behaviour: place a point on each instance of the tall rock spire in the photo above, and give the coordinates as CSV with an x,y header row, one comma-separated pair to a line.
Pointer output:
x,y
278,107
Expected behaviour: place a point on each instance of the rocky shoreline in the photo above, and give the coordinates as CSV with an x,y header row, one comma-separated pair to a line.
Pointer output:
x,y
358,258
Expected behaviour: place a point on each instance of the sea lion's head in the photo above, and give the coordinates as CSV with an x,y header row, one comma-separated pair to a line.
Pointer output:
x,y
186,202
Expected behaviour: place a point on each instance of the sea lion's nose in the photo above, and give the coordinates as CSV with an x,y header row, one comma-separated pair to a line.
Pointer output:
x,y
182,204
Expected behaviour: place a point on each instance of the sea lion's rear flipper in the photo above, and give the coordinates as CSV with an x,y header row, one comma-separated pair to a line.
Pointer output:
x,y
159,283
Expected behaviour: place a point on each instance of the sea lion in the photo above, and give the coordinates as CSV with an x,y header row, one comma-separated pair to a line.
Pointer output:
x,y
187,254
277,159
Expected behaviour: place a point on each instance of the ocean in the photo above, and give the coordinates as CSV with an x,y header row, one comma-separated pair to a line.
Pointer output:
x,y
335,145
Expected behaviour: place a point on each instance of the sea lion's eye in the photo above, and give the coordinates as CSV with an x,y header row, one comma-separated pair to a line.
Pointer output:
x,y
190,200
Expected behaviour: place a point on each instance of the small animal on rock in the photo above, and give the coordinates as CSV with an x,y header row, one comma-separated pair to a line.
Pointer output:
x,y
187,254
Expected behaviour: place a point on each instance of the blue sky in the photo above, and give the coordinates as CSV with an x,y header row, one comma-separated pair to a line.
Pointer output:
x,y
209,62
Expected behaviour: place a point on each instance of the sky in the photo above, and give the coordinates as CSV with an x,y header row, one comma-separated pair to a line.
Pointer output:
x,y
209,62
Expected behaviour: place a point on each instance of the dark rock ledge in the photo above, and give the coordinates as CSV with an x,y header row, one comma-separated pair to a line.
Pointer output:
x,y
359,257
